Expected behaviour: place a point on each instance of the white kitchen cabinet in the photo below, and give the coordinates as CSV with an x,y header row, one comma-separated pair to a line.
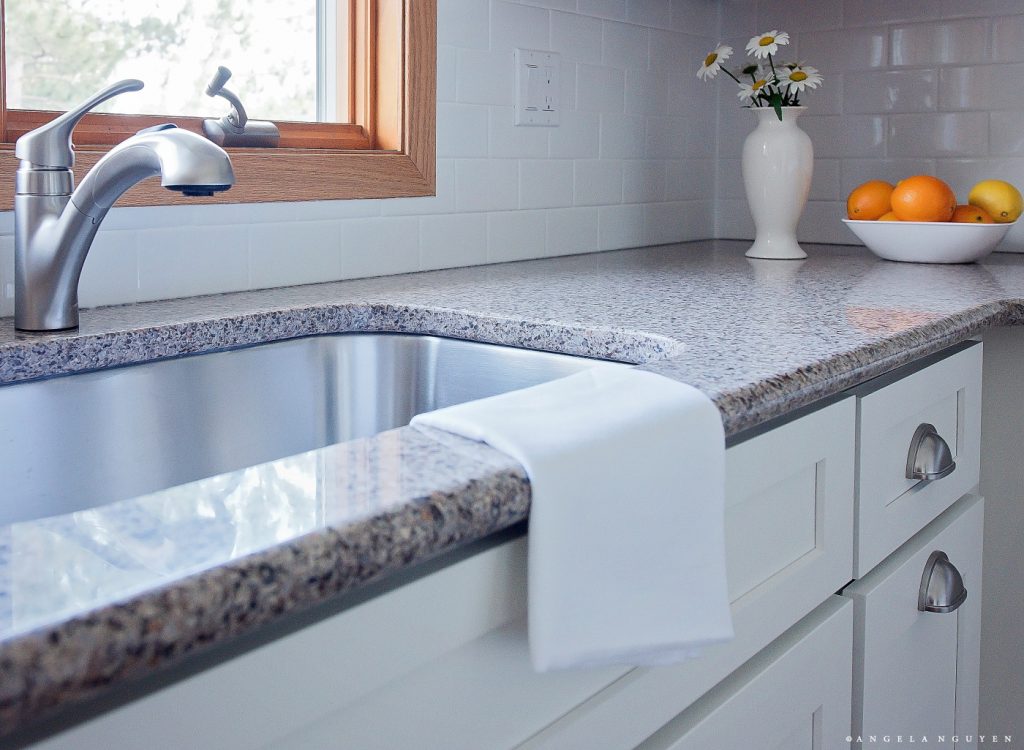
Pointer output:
x,y
942,391
915,672
794,695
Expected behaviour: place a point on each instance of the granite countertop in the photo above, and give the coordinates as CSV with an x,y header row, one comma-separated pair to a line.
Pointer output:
x,y
103,596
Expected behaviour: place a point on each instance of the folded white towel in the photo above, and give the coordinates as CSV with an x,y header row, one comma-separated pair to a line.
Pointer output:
x,y
626,540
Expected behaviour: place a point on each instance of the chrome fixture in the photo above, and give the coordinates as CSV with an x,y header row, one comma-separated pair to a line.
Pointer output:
x,y
235,128
54,227
942,586
929,456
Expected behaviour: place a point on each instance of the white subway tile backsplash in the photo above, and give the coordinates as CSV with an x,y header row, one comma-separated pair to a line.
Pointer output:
x,y
621,226
646,92
461,130
374,247
613,9
578,136
891,91
514,25
576,38
981,87
666,222
846,50
1006,133
1008,39
690,179
623,137
572,230
790,16
447,69
485,77
701,17
846,135
516,235
826,184
313,253
545,183
951,42
183,262
625,45
463,23
939,135
452,240
597,182
600,89
657,13
110,275
670,137
506,140
486,184
643,181
7,276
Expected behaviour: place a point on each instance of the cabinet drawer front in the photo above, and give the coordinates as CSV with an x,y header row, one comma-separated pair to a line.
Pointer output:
x,y
890,507
788,528
795,695
916,672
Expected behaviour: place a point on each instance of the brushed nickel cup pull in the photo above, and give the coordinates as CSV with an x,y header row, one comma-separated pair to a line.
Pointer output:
x,y
942,586
929,457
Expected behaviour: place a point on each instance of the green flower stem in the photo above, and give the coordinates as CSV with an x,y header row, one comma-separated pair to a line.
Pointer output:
x,y
726,71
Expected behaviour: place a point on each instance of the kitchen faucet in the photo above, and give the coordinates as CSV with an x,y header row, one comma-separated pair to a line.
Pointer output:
x,y
54,227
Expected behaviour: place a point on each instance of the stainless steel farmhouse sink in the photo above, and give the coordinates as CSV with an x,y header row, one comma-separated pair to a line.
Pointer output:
x,y
77,441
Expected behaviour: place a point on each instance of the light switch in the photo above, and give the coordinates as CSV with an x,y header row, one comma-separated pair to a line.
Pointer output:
x,y
537,88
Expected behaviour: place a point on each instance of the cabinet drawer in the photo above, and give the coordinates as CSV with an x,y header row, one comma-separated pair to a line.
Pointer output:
x,y
916,673
891,508
794,695
788,528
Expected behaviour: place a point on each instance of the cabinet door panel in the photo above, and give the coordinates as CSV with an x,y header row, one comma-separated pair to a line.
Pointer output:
x,y
916,673
794,695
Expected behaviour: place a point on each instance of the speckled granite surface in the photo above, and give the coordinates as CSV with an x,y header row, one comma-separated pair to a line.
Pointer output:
x,y
105,595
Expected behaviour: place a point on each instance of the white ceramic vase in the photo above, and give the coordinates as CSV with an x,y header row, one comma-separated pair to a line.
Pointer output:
x,y
778,161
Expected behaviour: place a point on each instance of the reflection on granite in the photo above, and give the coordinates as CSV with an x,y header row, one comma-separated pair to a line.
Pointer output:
x,y
115,592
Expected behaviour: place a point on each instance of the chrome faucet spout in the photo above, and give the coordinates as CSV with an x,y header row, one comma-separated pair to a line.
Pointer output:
x,y
54,227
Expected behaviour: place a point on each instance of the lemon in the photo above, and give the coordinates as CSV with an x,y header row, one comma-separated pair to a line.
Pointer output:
x,y
1001,199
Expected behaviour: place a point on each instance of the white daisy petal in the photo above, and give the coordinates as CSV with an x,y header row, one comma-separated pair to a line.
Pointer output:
x,y
713,62
766,44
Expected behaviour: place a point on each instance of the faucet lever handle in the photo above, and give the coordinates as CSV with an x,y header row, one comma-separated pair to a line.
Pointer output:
x,y
49,145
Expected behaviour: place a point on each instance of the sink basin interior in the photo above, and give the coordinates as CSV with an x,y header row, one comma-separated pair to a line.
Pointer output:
x,y
79,441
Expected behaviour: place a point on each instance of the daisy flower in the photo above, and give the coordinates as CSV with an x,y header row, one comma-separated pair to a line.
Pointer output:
x,y
767,44
749,91
800,77
713,62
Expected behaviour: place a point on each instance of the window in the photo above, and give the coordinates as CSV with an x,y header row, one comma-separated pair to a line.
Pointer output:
x,y
350,84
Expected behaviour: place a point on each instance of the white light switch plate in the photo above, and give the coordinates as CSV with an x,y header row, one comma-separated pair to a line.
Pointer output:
x,y
537,88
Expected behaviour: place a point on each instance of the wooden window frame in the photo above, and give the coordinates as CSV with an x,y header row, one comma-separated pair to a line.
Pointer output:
x,y
388,152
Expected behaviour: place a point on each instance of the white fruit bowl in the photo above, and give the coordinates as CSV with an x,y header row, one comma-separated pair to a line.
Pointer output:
x,y
929,241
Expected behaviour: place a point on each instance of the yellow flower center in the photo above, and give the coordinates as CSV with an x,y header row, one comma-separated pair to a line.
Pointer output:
x,y
798,75
758,84
766,40
710,59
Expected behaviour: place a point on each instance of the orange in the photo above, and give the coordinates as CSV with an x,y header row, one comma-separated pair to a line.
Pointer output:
x,y
923,198
888,217
869,201
967,214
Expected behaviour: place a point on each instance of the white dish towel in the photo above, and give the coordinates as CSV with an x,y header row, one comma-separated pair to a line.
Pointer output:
x,y
626,541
